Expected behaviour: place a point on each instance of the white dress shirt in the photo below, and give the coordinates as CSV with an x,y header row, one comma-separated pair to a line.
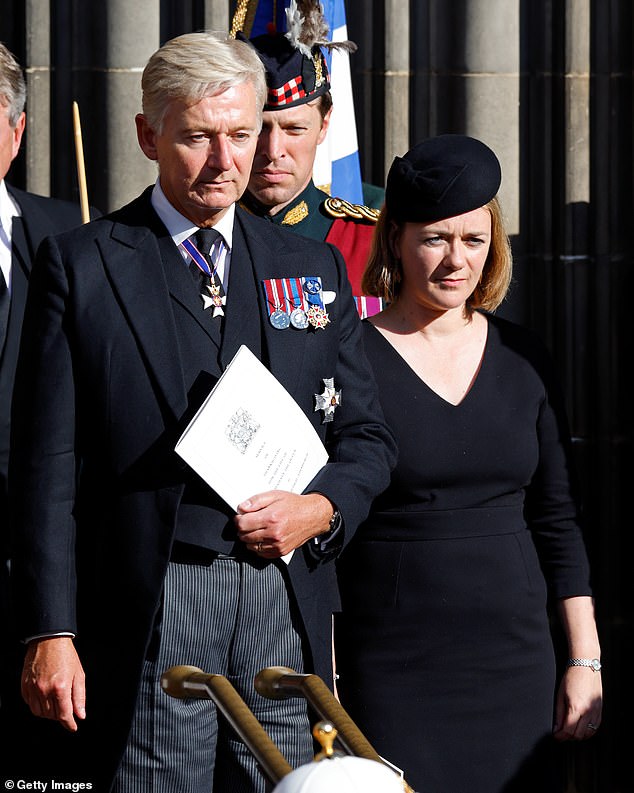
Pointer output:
x,y
180,228
8,210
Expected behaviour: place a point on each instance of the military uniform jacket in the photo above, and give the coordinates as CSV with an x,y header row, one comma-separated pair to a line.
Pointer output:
x,y
313,213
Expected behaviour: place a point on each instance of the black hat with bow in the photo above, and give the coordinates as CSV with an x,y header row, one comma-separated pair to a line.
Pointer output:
x,y
442,177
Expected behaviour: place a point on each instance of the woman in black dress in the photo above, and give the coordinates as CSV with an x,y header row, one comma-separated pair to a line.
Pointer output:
x,y
444,652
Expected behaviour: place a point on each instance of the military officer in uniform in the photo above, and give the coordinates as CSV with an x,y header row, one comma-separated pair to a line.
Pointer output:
x,y
296,117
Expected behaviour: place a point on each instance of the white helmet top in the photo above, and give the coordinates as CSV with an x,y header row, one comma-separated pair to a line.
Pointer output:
x,y
332,772
342,775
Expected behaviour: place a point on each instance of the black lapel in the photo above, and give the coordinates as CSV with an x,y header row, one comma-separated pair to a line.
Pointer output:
x,y
17,301
242,323
183,288
31,228
22,255
132,258
282,350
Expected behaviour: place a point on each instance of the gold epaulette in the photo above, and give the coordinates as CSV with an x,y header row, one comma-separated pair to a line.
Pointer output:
x,y
338,208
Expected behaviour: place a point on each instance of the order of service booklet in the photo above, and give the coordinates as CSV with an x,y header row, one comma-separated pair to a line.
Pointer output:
x,y
250,436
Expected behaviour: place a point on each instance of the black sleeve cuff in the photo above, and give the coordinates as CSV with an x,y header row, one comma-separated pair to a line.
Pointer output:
x,y
330,542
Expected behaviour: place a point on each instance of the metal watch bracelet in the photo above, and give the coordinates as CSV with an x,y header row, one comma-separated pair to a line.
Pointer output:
x,y
591,663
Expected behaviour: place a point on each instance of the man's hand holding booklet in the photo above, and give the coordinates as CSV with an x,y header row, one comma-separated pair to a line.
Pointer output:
x,y
250,436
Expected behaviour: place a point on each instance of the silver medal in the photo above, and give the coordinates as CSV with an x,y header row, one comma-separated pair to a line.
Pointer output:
x,y
279,319
299,319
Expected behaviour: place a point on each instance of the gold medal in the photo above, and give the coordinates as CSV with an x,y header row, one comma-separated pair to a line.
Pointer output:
x,y
317,317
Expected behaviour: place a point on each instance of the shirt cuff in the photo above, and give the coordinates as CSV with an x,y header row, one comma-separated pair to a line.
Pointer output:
x,y
48,636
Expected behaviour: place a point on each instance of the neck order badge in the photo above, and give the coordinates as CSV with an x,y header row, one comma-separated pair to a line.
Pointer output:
x,y
204,249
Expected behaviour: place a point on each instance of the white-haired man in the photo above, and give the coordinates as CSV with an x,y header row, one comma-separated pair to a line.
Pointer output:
x,y
127,563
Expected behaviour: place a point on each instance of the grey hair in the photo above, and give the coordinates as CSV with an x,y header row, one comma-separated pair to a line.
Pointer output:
x,y
12,85
196,65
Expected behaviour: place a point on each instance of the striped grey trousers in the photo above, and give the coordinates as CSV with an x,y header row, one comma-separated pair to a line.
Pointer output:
x,y
231,618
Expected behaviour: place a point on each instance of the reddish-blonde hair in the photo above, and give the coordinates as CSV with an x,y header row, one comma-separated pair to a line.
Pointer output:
x,y
382,276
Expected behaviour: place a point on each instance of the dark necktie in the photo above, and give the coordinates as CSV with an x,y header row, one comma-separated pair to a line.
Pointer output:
x,y
4,309
211,289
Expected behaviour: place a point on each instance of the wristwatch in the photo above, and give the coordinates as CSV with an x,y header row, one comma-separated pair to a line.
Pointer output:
x,y
335,522
592,663
320,543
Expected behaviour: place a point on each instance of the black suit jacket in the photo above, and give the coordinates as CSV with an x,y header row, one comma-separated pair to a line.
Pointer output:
x,y
41,217
100,397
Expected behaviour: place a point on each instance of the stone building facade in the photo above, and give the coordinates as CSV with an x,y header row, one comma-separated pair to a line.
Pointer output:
x,y
548,84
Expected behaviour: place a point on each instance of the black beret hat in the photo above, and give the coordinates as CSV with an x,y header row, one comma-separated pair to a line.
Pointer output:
x,y
442,177
292,77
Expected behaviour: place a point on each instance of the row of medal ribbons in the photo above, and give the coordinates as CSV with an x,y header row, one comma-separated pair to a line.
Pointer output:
x,y
297,302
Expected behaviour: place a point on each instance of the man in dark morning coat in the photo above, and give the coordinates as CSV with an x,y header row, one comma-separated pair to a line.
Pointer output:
x,y
125,562
25,219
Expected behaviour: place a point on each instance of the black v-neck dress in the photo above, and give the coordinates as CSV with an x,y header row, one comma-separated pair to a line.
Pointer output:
x,y
443,648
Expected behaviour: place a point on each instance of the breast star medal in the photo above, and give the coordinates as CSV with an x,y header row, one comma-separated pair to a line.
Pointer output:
x,y
328,400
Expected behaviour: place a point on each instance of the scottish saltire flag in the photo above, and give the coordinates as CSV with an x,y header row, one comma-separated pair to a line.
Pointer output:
x,y
267,12
337,167
339,153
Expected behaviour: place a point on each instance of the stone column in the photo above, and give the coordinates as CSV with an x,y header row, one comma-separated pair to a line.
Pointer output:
x,y
397,74
577,93
492,90
38,97
217,15
131,35
575,261
466,80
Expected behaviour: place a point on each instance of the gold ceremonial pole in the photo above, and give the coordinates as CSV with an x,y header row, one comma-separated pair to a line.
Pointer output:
x,y
183,682
280,682
81,170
